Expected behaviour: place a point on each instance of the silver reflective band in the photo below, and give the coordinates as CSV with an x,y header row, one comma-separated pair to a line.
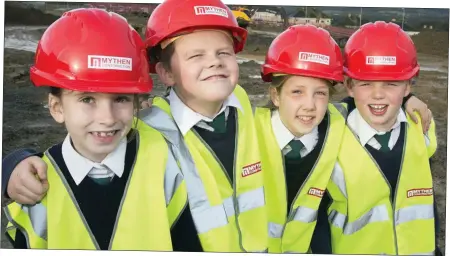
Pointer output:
x,y
305,214
424,253
251,200
38,218
337,176
275,230
343,110
380,213
376,214
415,212
205,216
302,214
211,217
172,178
228,206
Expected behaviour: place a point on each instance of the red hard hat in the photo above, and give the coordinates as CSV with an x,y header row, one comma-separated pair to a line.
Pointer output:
x,y
304,50
94,51
380,51
176,17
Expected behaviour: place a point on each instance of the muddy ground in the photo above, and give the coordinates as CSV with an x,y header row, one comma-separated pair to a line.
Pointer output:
x,y
28,124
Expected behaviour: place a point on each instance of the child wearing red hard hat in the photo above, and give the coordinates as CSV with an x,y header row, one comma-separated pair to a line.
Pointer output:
x,y
103,195
381,187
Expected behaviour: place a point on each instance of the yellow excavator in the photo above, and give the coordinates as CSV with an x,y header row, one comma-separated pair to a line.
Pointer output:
x,y
242,16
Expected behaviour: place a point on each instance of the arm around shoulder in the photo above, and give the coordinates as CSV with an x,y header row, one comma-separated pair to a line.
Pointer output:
x,y
10,162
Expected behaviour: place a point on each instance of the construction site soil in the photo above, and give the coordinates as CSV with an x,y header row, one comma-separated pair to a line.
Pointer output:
x,y
28,124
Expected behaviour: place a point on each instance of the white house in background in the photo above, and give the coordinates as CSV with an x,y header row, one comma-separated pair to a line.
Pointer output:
x,y
273,17
312,21
266,17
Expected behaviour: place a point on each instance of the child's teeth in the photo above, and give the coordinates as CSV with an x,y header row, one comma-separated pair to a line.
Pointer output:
x,y
104,134
306,118
378,106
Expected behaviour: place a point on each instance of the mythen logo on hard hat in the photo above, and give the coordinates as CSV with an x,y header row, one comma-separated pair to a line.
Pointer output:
x,y
210,10
110,62
314,57
381,60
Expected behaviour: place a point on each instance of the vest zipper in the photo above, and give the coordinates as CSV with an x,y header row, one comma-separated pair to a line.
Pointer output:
x,y
290,217
389,185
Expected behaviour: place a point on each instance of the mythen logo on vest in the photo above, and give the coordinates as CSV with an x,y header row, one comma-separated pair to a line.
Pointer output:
x,y
419,192
316,192
251,169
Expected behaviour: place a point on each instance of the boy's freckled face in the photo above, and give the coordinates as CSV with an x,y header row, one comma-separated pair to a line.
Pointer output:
x,y
204,65
379,101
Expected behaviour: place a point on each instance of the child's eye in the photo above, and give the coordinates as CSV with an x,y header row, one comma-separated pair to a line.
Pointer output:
x,y
87,99
296,91
322,93
224,53
194,56
390,84
123,99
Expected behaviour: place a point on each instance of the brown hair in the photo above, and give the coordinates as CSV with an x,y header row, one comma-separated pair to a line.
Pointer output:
x,y
157,54
278,82
348,82
57,92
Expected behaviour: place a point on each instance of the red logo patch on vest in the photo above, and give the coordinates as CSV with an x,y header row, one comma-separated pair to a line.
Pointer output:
x,y
317,192
419,192
251,169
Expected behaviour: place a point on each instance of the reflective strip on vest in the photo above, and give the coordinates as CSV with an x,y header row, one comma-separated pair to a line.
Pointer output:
x,y
205,216
415,212
275,230
376,214
38,217
380,213
305,214
342,109
338,178
425,253
302,214
172,178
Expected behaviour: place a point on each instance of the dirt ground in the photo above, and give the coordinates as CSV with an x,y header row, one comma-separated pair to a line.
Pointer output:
x,y
28,124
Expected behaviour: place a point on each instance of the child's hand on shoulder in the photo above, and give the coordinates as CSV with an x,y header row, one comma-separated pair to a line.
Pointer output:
x,y
147,103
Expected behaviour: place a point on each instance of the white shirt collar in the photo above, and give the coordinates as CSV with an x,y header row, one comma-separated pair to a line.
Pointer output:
x,y
364,131
79,166
186,118
284,136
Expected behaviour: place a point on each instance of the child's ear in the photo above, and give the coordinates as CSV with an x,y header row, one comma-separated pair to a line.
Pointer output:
x,y
55,107
408,88
165,75
274,96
